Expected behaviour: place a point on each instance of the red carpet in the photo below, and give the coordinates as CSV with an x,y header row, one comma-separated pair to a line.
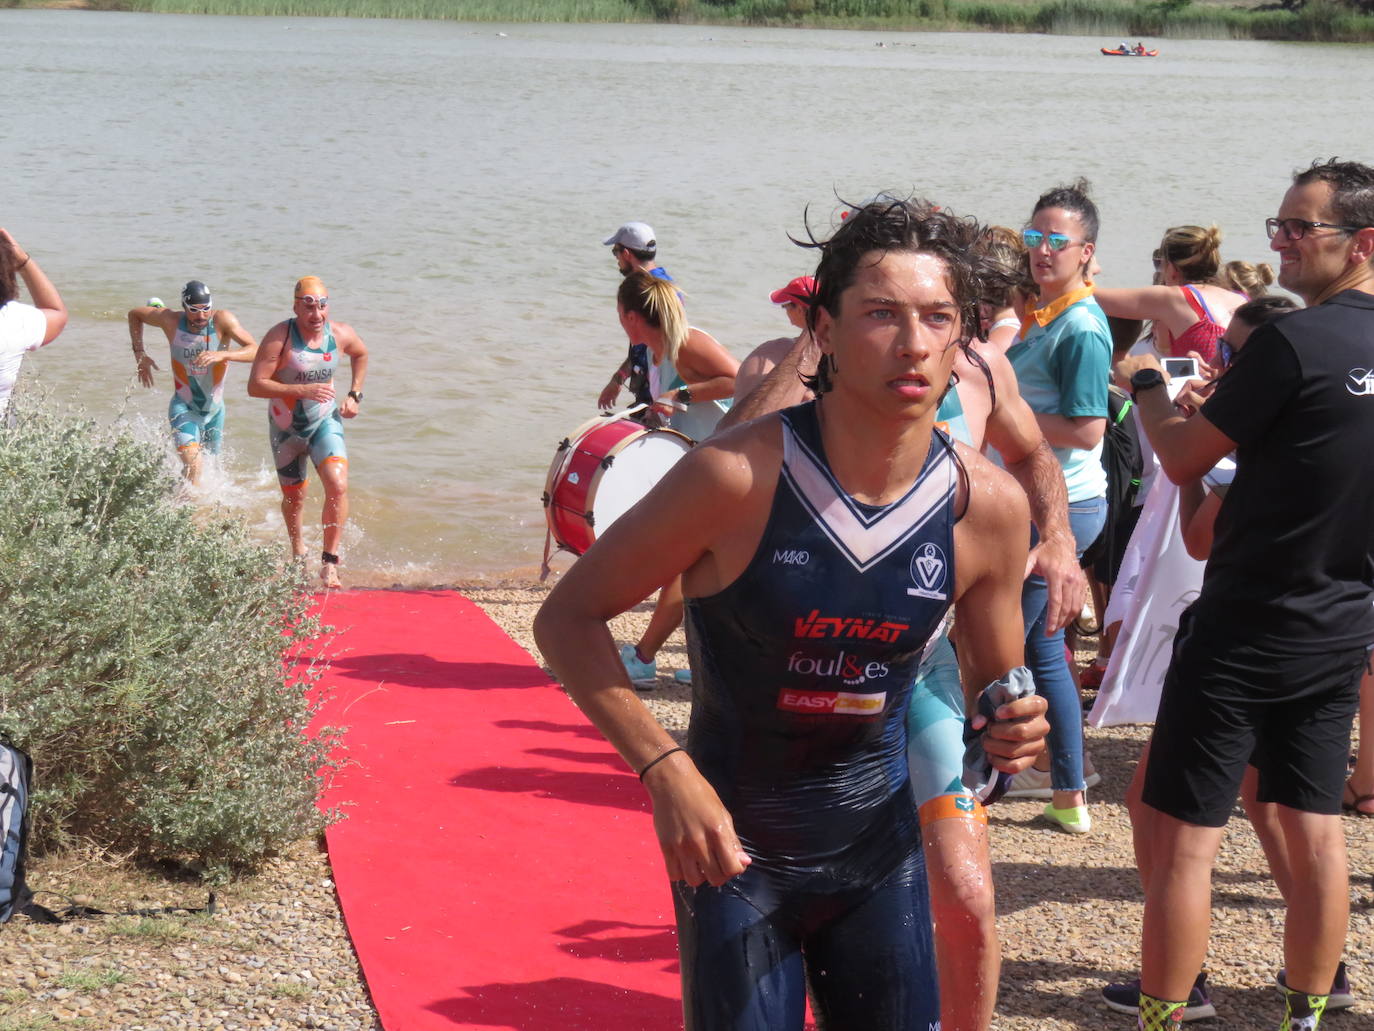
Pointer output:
x,y
497,867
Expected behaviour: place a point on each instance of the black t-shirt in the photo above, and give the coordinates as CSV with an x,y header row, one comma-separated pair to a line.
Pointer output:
x,y
1293,555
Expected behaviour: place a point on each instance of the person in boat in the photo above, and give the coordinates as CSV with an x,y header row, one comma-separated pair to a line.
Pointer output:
x,y
295,370
820,548
1140,49
199,336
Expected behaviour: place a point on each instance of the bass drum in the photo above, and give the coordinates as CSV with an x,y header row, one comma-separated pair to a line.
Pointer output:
x,y
600,472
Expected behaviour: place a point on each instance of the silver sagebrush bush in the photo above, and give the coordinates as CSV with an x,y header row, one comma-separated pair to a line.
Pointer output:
x,y
156,662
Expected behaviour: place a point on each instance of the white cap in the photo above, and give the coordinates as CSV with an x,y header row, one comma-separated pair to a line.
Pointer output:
x,y
155,302
637,236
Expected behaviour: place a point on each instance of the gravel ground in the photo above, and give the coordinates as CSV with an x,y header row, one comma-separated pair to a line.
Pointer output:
x,y
276,954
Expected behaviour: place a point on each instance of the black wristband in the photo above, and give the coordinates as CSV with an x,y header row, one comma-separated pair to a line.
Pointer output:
x,y
1145,379
654,762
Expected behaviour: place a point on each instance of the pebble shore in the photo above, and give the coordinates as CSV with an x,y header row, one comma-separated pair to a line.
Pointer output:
x,y
276,954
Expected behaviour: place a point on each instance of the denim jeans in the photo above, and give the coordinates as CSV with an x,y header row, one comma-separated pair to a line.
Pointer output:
x,y
1045,657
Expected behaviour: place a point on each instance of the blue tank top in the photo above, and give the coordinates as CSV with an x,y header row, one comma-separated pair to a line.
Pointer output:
x,y
804,664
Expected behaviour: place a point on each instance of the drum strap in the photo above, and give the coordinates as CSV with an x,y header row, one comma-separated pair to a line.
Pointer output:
x,y
548,548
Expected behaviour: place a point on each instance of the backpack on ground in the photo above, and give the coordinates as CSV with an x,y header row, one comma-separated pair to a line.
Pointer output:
x,y
1122,459
16,773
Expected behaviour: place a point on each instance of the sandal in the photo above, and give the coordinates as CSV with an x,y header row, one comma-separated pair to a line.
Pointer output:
x,y
1355,801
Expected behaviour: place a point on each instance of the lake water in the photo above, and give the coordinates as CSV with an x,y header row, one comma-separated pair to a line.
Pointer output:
x,y
452,184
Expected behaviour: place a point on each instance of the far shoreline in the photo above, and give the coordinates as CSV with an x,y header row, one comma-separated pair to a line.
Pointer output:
x,y
1322,21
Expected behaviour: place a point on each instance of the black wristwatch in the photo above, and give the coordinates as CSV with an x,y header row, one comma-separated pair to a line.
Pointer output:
x,y
357,395
1146,379
683,396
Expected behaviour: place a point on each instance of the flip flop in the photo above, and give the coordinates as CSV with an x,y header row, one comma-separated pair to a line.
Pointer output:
x,y
1353,806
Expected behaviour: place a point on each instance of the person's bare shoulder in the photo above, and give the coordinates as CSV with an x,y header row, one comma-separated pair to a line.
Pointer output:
x,y
996,504
744,456
346,336
770,352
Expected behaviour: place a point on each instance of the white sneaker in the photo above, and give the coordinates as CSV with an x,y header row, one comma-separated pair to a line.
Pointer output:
x,y
1091,778
1031,783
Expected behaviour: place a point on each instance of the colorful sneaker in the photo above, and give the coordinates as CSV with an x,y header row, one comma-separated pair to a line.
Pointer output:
x,y
642,674
1304,1012
1030,783
1075,819
1342,994
1124,997
683,676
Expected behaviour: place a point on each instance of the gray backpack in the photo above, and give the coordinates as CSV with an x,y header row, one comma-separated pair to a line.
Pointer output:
x,y
16,772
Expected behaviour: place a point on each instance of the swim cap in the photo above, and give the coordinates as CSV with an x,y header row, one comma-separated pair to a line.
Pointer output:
x,y
195,292
312,285
155,302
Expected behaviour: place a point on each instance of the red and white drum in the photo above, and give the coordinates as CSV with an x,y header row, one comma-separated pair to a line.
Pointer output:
x,y
600,472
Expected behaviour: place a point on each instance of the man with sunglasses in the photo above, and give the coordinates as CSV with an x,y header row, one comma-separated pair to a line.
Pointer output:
x,y
1267,662
295,371
196,410
634,248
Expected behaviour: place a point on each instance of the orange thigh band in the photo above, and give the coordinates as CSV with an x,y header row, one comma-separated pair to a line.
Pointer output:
x,y
952,807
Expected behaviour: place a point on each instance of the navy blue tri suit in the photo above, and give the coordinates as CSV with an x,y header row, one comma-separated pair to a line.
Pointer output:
x,y
804,668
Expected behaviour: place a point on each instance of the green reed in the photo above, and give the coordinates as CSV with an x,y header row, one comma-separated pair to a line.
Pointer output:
x,y
439,10
1319,20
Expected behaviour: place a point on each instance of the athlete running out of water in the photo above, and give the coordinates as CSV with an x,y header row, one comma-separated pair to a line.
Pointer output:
x,y
199,335
820,548
295,371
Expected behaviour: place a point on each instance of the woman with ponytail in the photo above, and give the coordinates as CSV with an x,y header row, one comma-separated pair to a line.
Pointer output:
x,y
1192,306
691,379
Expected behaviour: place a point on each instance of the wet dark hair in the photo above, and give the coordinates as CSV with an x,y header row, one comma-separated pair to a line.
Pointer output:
x,y
1352,189
887,225
1264,310
9,273
1007,265
1073,197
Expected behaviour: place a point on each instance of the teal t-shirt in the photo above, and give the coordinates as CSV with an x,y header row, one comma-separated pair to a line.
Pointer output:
x,y
1063,369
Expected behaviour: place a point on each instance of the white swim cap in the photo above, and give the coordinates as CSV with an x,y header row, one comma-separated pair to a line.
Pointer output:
x,y
155,302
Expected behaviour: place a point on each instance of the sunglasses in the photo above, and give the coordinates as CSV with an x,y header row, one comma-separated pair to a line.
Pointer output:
x,y
617,251
1296,228
199,309
311,301
1033,238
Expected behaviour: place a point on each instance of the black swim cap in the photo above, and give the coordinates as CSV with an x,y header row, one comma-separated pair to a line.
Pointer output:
x,y
195,292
